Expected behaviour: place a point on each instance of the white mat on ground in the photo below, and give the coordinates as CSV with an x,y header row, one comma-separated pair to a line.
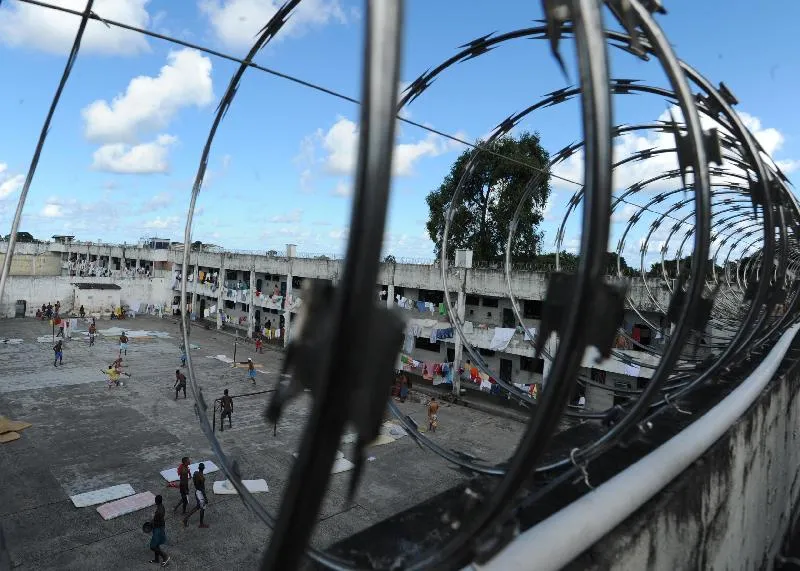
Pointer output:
x,y
253,486
131,333
342,465
95,497
223,358
171,475
127,505
45,339
11,341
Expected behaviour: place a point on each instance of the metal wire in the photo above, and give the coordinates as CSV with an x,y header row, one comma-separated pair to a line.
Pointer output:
x,y
739,215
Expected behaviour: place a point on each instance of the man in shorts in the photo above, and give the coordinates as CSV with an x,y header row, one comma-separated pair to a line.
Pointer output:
x,y
200,495
180,383
251,370
183,474
123,344
58,349
226,405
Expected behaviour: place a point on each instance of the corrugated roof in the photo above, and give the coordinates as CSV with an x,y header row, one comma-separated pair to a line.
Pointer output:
x,y
96,286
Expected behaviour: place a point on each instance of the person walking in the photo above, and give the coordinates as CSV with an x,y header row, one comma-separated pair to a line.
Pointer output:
x,y
183,355
82,312
58,349
226,405
180,383
200,495
251,370
184,475
259,344
123,344
433,414
159,536
92,333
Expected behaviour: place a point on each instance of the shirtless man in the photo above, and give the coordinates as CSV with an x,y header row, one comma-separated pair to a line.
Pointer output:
x,y
123,344
226,404
92,333
433,414
180,383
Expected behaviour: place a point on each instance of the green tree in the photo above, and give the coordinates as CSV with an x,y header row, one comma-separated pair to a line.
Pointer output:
x,y
489,198
22,238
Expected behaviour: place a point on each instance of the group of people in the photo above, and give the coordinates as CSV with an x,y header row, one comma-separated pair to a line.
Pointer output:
x,y
49,311
159,524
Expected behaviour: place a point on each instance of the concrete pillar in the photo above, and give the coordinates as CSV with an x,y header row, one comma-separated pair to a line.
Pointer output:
x,y
459,346
390,296
463,263
220,290
287,315
196,274
251,308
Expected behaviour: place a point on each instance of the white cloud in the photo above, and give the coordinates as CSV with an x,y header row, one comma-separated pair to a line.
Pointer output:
x,y
342,188
339,234
292,217
53,31
150,103
52,210
9,184
146,158
788,166
339,147
236,23
157,202
632,172
159,223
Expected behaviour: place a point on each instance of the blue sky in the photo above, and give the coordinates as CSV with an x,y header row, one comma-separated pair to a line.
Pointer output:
x,y
126,139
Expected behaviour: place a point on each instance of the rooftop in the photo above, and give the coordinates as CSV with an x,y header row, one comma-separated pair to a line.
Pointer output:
x,y
85,285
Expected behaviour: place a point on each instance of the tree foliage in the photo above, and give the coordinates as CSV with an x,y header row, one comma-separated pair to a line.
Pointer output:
x,y
489,198
23,238
569,263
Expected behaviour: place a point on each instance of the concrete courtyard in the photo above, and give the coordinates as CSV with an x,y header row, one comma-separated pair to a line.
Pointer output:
x,y
86,437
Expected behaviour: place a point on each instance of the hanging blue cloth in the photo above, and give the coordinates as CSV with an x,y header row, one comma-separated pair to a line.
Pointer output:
x,y
421,306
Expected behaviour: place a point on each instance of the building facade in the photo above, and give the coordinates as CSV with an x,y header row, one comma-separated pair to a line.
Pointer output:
x,y
250,293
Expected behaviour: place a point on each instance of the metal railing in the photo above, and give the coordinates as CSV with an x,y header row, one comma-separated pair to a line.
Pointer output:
x,y
739,210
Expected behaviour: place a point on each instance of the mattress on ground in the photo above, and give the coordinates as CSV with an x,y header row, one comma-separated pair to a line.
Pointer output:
x,y
8,425
102,496
7,437
126,505
342,465
171,475
252,486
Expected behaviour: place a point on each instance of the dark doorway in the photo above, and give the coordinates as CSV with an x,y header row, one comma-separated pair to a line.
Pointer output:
x,y
505,370
258,319
259,283
202,313
21,307
508,318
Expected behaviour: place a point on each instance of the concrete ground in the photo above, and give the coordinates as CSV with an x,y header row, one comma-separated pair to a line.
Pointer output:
x,y
86,437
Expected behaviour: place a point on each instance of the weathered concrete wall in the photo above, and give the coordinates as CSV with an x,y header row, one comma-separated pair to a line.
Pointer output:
x,y
729,510
97,300
39,290
40,264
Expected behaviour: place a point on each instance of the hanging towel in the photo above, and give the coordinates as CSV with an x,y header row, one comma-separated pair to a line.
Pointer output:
x,y
444,333
486,385
421,306
502,337
442,309
467,327
408,344
433,335
632,370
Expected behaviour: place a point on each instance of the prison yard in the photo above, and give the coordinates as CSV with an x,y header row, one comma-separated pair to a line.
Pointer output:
x,y
85,437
